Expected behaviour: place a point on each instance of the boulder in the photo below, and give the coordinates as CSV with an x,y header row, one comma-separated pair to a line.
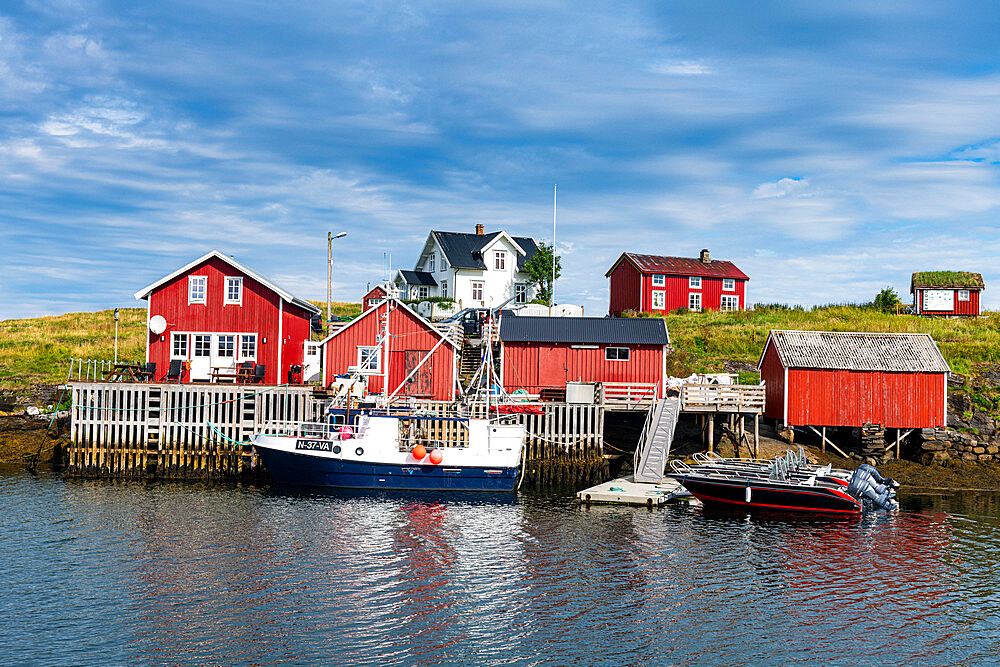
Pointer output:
x,y
978,450
934,458
966,456
985,457
934,445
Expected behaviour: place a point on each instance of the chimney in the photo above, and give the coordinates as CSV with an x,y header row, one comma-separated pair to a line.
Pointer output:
x,y
479,230
704,256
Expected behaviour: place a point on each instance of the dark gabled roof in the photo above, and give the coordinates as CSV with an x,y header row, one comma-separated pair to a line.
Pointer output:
x,y
418,278
681,266
851,351
464,251
946,280
594,330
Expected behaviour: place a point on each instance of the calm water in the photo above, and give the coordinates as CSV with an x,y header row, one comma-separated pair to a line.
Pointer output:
x,y
112,573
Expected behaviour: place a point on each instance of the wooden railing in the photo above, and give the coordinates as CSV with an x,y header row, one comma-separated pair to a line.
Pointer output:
x,y
722,397
627,393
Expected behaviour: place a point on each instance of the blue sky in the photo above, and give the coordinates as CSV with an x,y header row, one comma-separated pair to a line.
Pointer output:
x,y
828,149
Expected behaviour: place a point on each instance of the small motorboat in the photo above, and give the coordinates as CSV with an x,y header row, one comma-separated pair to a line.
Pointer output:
x,y
788,483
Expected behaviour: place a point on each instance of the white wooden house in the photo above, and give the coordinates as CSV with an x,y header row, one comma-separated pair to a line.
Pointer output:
x,y
476,270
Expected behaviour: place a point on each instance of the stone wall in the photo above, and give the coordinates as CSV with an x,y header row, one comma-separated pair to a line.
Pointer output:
x,y
941,445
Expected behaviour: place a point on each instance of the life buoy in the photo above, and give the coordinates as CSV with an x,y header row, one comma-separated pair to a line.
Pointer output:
x,y
346,433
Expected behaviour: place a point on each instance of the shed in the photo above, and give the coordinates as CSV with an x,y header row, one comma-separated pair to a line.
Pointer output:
x,y
373,296
541,353
952,293
411,338
832,378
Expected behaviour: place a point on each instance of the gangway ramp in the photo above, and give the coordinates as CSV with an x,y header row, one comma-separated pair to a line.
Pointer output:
x,y
654,445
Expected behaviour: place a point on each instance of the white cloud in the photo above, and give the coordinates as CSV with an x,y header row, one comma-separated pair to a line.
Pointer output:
x,y
785,187
680,67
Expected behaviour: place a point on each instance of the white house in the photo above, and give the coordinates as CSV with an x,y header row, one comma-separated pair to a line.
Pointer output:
x,y
476,270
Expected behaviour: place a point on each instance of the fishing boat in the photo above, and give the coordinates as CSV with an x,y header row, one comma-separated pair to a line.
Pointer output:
x,y
371,442
788,483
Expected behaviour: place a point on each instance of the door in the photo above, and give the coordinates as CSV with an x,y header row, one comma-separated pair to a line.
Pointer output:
x,y
421,383
201,356
552,368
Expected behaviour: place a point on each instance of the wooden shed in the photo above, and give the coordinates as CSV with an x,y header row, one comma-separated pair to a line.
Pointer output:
x,y
950,293
544,353
411,338
373,296
831,378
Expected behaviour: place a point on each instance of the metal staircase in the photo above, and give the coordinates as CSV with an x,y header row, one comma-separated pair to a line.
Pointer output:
x,y
654,444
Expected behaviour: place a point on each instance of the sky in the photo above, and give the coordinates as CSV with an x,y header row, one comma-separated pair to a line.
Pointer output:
x,y
827,149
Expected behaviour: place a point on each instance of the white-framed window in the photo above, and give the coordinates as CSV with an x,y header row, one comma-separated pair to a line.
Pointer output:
x,y
430,264
368,358
225,345
659,299
694,282
729,302
728,283
178,346
197,288
423,292
202,346
694,301
520,293
659,280
499,259
444,289
616,353
248,347
234,290
477,291
963,295
312,350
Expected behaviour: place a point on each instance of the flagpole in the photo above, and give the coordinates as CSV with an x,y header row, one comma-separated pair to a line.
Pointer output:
x,y
552,292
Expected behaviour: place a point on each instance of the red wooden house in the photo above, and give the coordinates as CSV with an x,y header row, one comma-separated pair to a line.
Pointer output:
x,y
946,292
374,295
657,284
411,338
544,353
828,378
218,314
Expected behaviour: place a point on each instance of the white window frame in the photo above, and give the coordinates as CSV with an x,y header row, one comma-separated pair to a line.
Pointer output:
x,y
732,299
520,293
373,352
963,295
694,301
226,299
230,348
423,292
431,268
193,283
499,260
728,284
175,338
659,280
694,282
617,354
444,289
244,339
477,287
659,299
199,338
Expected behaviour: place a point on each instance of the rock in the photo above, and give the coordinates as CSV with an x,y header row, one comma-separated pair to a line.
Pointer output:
x,y
934,445
33,411
932,458
956,380
978,450
992,449
985,457
966,456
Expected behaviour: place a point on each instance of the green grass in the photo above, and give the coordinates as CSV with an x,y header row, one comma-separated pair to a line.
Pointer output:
x,y
948,279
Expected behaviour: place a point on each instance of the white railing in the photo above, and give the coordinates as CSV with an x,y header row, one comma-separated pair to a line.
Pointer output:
x,y
627,393
313,430
723,397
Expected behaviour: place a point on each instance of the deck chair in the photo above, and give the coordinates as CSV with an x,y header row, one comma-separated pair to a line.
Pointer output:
x,y
148,373
258,373
175,370
245,371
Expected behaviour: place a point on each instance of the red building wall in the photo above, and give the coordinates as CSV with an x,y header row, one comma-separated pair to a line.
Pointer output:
x,y
408,333
258,314
969,308
537,366
773,374
368,300
677,290
626,289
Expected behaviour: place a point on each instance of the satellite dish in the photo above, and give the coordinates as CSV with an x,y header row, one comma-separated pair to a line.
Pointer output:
x,y
157,324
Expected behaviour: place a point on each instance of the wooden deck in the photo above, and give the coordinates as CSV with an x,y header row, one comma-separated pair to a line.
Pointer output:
x,y
728,398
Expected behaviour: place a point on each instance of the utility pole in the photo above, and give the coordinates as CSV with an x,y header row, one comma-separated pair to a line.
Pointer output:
x,y
116,335
329,275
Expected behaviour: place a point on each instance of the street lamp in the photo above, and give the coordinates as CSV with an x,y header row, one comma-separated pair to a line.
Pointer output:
x,y
329,273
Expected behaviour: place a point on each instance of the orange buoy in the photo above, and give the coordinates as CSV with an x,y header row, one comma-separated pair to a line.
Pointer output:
x,y
419,452
436,456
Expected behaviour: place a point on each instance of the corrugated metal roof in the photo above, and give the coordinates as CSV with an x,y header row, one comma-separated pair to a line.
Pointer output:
x,y
464,251
682,266
418,278
836,350
946,279
593,330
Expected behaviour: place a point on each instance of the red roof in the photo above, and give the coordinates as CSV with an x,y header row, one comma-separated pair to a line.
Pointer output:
x,y
681,266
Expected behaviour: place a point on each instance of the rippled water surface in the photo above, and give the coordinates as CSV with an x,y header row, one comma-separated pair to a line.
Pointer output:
x,y
109,573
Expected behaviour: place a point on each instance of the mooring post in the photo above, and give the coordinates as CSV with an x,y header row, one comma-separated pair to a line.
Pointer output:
x,y
756,435
711,432
822,444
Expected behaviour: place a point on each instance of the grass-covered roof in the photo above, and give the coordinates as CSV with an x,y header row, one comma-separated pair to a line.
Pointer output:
x,y
946,279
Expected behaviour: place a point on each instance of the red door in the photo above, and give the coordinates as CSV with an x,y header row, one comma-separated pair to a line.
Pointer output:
x,y
420,384
552,368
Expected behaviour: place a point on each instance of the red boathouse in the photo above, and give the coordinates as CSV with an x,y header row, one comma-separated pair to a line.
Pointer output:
x,y
411,338
828,378
374,295
951,293
657,284
214,314
544,353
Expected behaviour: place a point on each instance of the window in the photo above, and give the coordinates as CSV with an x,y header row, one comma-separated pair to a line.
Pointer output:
x,y
729,302
202,345
694,301
234,290
196,289
659,299
423,291
520,293
248,346
368,358
694,282
659,279
499,260
963,295
444,289
178,346
728,283
616,354
312,350
430,264
226,345
477,291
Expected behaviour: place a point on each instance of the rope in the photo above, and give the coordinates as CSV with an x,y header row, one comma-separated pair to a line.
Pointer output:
x,y
180,407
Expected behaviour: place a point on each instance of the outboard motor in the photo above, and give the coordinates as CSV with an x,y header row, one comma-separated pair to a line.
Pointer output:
x,y
868,486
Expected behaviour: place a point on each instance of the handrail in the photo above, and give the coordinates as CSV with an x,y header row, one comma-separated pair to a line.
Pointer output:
x,y
641,445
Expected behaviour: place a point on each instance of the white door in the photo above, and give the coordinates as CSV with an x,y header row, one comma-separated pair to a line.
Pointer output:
x,y
312,366
224,352
201,356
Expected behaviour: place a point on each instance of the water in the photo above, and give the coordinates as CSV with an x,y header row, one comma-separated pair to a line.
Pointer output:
x,y
169,573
